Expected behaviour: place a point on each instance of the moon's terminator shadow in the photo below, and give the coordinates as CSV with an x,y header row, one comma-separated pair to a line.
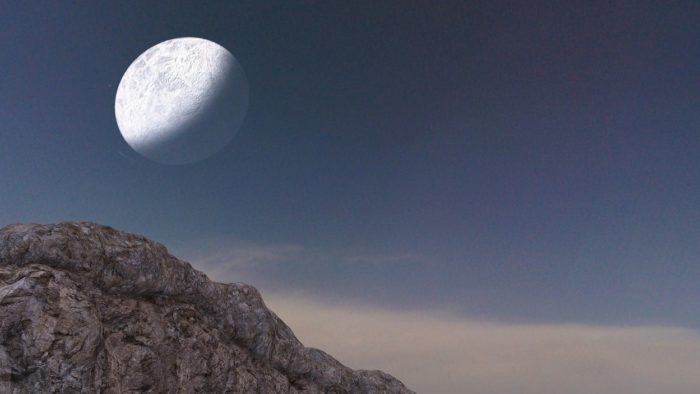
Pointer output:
x,y
213,128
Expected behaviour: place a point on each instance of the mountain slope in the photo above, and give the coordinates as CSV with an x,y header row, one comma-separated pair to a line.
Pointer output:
x,y
86,308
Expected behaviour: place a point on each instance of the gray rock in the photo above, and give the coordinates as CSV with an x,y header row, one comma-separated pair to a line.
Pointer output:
x,y
85,308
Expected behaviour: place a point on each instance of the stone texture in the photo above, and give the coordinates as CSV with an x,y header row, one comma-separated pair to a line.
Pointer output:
x,y
85,308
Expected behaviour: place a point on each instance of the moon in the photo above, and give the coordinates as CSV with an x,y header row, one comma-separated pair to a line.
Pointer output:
x,y
181,101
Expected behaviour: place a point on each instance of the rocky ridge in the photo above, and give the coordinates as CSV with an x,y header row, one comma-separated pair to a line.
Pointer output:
x,y
85,308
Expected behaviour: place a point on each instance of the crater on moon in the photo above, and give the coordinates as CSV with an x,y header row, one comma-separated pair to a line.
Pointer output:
x,y
181,101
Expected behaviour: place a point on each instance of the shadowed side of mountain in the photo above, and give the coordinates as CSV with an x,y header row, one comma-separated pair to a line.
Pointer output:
x,y
86,308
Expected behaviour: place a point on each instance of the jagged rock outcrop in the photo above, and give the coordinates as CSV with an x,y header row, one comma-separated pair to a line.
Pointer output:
x,y
85,308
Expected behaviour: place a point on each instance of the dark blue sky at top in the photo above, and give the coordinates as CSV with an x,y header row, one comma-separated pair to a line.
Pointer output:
x,y
534,159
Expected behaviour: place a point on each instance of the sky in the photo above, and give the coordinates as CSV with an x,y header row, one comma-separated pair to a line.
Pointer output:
x,y
527,165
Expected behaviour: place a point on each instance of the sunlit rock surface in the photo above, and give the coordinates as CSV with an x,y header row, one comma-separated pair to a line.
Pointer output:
x,y
85,308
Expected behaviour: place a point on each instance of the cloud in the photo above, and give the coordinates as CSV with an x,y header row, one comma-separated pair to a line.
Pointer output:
x,y
278,265
234,260
438,353
441,353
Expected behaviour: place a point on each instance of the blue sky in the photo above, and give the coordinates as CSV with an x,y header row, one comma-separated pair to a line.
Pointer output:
x,y
526,162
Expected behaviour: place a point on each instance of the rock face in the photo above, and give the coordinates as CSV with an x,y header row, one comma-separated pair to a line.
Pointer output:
x,y
85,308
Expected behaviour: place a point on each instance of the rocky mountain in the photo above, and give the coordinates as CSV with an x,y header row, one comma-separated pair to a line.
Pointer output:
x,y
85,308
